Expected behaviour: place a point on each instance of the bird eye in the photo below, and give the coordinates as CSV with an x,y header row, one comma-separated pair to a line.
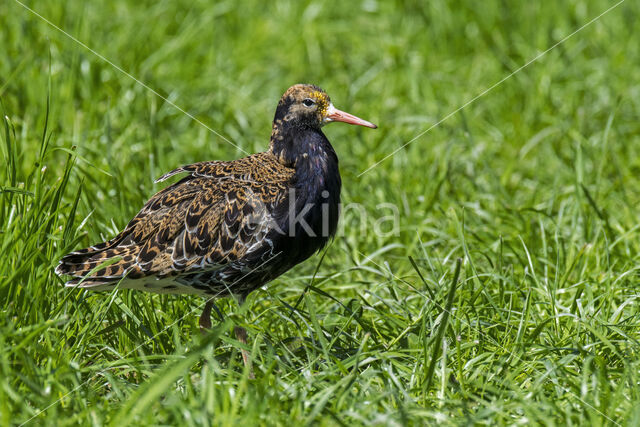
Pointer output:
x,y
308,102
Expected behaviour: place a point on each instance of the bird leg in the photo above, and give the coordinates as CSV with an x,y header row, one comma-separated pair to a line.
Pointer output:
x,y
205,318
241,335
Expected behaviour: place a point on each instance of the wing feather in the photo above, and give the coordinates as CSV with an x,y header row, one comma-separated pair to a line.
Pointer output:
x,y
213,217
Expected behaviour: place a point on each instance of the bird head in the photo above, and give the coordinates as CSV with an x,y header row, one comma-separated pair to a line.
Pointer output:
x,y
308,105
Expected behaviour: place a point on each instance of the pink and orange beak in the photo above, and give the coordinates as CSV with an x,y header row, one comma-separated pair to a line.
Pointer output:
x,y
335,115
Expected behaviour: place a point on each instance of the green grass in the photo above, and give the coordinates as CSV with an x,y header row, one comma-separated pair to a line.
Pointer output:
x,y
534,186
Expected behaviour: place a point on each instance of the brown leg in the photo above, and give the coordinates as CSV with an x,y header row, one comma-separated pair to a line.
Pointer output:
x,y
205,318
241,335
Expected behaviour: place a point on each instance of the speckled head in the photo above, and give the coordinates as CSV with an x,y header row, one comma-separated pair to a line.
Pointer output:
x,y
305,105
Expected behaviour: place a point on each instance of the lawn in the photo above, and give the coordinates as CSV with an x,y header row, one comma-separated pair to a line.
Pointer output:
x,y
523,164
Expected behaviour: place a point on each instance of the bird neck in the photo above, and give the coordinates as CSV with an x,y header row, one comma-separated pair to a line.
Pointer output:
x,y
300,146
315,186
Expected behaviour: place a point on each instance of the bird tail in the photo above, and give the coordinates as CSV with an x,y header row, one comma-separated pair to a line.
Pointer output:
x,y
98,267
94,284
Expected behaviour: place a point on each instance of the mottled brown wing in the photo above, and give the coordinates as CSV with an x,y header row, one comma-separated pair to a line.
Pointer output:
x,y
213,217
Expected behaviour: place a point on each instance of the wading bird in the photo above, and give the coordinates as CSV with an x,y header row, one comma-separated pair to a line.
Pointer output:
x,y
229,227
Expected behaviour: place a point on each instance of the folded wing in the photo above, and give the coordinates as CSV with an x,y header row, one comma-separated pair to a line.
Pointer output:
x,y
217,216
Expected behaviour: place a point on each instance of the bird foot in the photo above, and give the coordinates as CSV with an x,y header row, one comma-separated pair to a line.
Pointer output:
x,y
241,335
